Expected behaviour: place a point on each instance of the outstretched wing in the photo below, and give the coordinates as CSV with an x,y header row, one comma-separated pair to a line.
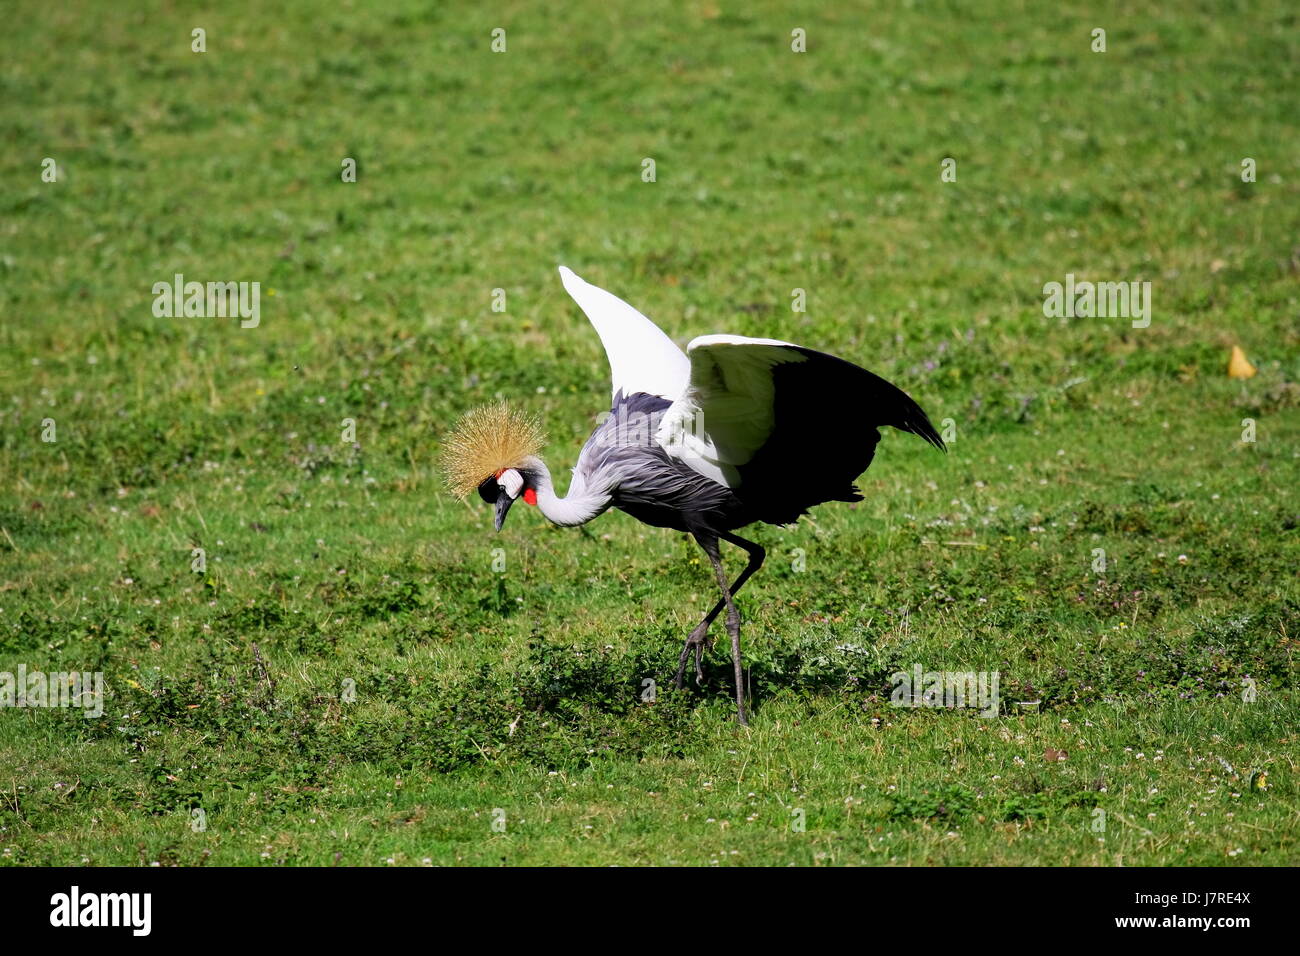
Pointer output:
x,y
641,357
784,426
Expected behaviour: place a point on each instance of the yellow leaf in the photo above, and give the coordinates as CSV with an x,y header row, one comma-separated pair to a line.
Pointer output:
x,y
1238,365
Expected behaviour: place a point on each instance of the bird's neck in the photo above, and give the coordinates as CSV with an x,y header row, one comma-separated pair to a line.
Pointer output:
x,y
577,507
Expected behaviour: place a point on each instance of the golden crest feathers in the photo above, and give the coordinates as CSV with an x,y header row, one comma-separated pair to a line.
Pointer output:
x,y
486,440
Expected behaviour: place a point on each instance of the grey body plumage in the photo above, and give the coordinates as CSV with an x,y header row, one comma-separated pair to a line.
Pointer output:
x,y
643,480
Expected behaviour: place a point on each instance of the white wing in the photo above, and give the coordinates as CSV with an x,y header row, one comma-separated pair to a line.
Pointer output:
x,y
641,357
727,410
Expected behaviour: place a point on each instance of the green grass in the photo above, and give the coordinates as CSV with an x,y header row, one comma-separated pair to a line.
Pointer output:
x,y
350,681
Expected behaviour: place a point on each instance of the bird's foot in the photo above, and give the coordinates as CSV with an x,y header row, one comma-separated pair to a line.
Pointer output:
x,y
699,642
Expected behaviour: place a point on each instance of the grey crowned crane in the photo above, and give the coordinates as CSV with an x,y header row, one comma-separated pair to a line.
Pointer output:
x,y
733,431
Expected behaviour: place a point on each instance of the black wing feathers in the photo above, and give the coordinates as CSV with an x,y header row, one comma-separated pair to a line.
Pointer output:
x,y
826,416
882,402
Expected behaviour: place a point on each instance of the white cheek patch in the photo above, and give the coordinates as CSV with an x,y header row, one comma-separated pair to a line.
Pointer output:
x,y
512,482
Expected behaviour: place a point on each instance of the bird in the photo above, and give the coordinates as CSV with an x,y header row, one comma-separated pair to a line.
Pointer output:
x,y
732,432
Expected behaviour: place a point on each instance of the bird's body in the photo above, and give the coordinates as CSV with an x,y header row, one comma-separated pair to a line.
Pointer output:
x,y
735,431
622,459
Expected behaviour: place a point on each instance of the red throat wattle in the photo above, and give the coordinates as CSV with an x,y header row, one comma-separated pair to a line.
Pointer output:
x,y
530,496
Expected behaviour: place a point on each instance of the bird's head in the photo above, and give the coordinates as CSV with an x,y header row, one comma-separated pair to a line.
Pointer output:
x,y
505,488
493,450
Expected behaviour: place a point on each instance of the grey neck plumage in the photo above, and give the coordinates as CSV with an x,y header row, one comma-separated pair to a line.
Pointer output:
x,y
579,506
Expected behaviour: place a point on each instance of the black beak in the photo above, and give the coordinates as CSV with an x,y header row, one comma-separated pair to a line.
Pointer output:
x,y
504,501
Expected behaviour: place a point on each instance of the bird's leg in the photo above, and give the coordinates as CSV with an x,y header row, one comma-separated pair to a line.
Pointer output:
x,y
697,638
710,545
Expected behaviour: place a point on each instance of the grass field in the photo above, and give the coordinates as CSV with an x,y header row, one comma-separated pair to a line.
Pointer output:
x,y
351,680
